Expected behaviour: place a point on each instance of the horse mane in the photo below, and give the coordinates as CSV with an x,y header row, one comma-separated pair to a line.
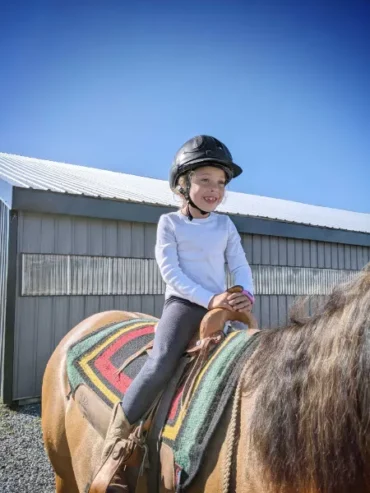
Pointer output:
x,y
310,426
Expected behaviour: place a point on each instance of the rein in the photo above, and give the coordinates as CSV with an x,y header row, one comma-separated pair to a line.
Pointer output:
x,y
231,436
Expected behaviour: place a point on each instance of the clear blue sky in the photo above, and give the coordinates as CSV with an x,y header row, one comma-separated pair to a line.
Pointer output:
x,y
121,85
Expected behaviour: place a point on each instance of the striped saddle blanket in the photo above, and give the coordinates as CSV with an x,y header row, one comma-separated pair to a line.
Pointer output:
x,y
95,361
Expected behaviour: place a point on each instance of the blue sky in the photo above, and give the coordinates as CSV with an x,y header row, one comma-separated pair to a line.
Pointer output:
x,y
121,85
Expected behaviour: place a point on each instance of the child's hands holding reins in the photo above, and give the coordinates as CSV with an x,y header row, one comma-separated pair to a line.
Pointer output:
x,y
239,302
220,301
231,301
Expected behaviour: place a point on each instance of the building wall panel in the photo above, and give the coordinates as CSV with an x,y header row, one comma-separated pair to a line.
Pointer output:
x,y
341,257
4,238
265,250
256,250
25,350
347,256
334,256
137,240
257,308
44,335
283,251
64,235
306,253
41,322
80,236
61,318
265,311
274,251
290,245
298,253
110,238
321,255
313,254
274,311
282,310
247,242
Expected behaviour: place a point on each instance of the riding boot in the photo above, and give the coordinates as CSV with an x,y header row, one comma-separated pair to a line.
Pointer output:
x,y
117,449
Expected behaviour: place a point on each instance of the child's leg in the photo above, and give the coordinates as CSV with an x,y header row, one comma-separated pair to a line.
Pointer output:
x,y
180,320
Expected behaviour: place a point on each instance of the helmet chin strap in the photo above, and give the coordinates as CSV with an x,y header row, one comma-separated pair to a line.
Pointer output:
x,y
190,202
186,194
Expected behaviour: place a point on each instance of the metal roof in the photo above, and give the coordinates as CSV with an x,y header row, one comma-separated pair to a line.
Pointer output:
x,y
40,174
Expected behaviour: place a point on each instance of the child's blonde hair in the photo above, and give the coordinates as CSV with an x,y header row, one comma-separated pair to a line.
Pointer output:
x,y
182,184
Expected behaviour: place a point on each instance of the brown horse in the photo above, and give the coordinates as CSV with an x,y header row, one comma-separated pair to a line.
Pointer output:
x,y
299,421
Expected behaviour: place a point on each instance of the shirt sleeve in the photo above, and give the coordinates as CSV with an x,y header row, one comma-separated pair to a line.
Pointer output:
x,y
168,262
237,261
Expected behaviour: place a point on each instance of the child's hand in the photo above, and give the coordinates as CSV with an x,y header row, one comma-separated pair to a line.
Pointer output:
x,y
220,301
239,302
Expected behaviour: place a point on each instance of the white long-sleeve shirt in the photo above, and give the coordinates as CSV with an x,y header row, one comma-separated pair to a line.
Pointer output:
x,y
191,256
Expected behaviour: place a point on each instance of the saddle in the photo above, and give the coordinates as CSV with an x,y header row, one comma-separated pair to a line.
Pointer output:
x,y
96,411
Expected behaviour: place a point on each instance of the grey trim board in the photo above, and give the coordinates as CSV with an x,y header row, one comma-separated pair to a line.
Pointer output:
x,y
6,394
6,193
75,205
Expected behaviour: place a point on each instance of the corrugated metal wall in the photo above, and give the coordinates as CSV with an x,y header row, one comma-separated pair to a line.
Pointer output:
x,y
41,321
269,250
4,230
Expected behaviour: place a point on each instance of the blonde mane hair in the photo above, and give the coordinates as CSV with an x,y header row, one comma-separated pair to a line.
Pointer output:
x,y
311,379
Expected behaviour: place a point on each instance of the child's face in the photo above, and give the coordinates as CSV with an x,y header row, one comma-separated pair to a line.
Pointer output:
x,y
208,187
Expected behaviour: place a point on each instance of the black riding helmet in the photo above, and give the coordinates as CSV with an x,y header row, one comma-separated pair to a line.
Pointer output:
x,y
199,151
202,150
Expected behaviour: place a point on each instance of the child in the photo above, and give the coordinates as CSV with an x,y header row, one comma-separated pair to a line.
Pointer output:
x,y
192,246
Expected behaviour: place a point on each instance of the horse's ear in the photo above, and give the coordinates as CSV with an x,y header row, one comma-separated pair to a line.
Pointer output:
x,y
366,268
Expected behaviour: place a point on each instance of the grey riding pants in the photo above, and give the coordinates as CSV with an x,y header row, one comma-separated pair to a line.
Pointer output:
x,y
179,322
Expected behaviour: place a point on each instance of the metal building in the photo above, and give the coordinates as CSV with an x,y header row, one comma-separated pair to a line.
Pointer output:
x,y
76,240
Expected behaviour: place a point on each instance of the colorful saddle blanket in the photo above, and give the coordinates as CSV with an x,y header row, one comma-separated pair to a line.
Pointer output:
x,y
95,359
189,431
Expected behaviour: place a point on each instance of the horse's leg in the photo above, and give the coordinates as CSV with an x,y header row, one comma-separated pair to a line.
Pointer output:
x,y
54,404
59,455
85,446
63,486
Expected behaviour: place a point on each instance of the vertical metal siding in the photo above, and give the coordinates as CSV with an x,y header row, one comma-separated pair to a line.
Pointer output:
x,y
303,253
42,323
4,237
278,251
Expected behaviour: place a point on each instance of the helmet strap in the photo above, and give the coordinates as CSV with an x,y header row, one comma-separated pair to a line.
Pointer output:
x,y
188,212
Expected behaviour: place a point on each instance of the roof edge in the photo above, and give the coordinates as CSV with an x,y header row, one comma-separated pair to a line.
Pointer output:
x,y
76,205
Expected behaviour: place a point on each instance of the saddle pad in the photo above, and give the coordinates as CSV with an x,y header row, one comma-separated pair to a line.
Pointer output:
x,y
94,360
189,432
